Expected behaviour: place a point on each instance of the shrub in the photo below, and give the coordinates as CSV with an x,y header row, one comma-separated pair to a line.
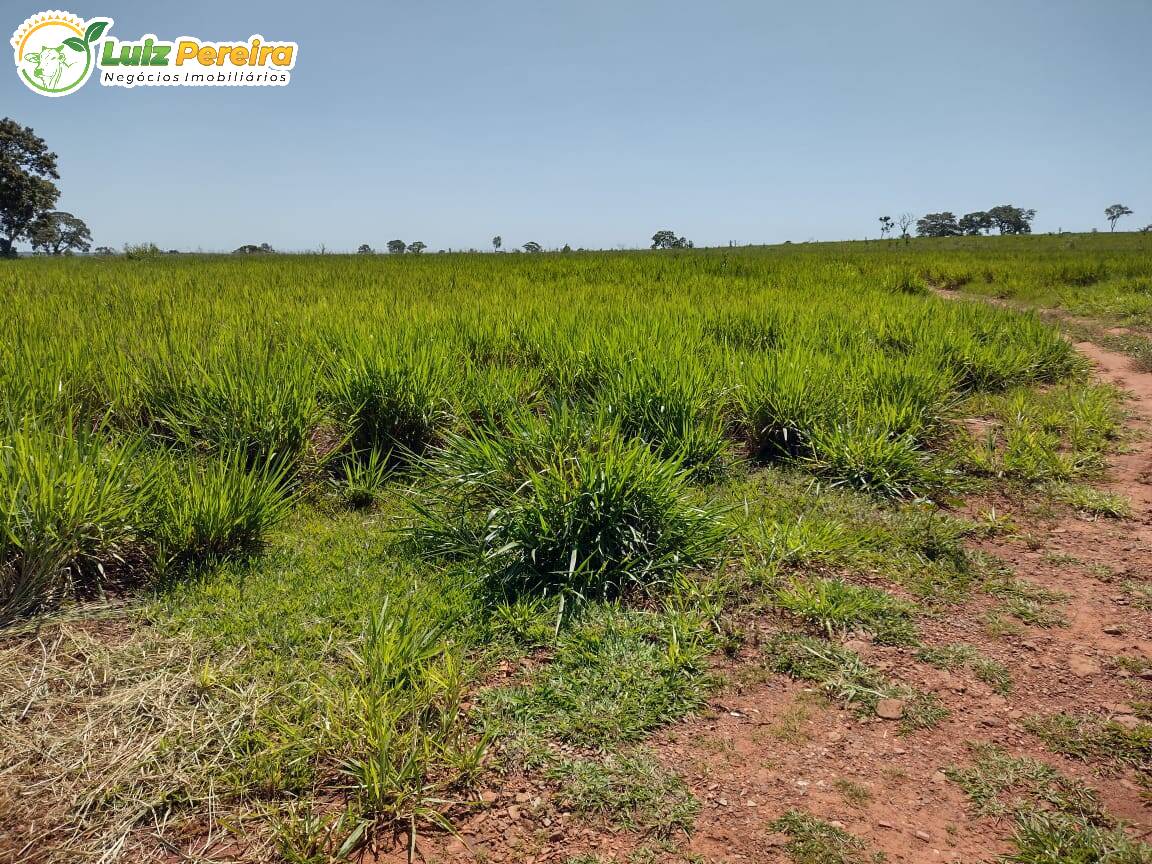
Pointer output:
x,y
558,503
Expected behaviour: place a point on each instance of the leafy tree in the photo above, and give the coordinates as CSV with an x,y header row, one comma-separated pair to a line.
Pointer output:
x,y
938,225
668,240
397,247
417,247
885,226
103,250
1147,229
252,249
1115,212
59,233
533,246
364,249
27,168
905,221
1012,220
497,242
976,222
566,248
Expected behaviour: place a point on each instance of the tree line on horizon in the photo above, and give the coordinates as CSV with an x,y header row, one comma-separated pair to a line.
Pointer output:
x,y
28,196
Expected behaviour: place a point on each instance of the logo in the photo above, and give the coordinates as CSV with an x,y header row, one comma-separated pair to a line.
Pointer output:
x,y
57,52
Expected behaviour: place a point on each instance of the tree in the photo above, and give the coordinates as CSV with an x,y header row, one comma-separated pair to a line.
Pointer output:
x,y
566,248
59,233
1115,212
497,242
533,246
252,249
397,247
1147,229
364,249
976,222
938,225
417,247
668,240
103,250
885,226
27,168
1012,220
905,221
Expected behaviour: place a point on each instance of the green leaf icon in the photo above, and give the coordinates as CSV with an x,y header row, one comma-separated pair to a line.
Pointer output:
x,y
95,31
75,44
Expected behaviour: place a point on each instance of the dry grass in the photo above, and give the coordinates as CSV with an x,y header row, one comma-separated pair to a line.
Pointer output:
x,y
110,729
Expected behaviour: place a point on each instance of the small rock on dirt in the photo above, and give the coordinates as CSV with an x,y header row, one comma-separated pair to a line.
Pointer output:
x,y
890,709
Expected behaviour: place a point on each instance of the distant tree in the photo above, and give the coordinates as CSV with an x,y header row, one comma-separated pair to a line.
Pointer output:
x,y
497,242
938,225
566,248
252,249
905,221
1147,229
1115,212
397,247
667,240
417,247
976,222
533,246
364,249
885,226
1012,220
59,233
103,250
27,168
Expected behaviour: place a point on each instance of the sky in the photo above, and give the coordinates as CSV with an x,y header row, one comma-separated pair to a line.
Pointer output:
x,y
596,123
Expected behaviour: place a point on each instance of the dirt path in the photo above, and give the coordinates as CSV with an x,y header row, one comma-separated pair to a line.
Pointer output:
x,y
771,745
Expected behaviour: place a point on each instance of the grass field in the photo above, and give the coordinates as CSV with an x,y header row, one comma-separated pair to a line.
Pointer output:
x,y
396,524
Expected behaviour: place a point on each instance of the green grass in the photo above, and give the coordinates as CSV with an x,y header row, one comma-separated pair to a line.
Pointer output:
x,y
844,677
1095,740
837,607
395,523
813,841
628,790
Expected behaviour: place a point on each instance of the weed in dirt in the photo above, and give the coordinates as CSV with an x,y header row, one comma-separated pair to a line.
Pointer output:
x,y
630,790
838,607
1054,838
1092,502
841,675
998,783
856,794
1029,603
958,656
1093,740
813,841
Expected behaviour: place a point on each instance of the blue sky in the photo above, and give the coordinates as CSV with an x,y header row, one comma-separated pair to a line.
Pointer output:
x,y
597,122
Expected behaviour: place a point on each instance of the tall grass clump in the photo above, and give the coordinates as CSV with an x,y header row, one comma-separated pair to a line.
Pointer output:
x,y
674,411
69,502
562,504
392,401
258,402
203,510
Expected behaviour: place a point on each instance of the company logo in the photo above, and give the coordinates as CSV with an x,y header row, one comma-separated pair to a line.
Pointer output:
x,y
57,52
54,51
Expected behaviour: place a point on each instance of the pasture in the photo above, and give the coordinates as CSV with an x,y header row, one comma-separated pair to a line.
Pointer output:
x,y
324,544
